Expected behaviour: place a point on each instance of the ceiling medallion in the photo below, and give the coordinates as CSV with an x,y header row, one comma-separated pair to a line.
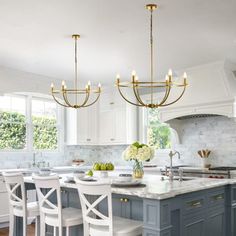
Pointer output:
x,y
75,94
151,85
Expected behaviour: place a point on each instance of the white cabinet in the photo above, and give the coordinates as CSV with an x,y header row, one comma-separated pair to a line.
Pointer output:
x,y
109,121
81,126
117,120
4,206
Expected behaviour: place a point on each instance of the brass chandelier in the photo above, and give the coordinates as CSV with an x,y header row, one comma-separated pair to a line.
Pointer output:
x,y
151,85
66,94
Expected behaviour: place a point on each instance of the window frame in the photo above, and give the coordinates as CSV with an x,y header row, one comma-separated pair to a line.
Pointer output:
x,y
29,125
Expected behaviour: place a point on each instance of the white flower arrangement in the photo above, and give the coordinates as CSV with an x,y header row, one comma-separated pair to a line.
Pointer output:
x,y
138,152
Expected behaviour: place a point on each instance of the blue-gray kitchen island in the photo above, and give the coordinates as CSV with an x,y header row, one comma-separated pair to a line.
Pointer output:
x,y
197,207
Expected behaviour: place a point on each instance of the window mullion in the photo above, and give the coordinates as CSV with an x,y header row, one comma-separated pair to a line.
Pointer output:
x,y
29,124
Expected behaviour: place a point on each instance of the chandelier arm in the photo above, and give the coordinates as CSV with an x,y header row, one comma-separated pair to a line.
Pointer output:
x,y
76,105
181,95
86,99
136,93
167,93
56,100
135,104
64,93
93,101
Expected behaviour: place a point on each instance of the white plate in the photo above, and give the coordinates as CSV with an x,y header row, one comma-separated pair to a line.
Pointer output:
x,y
133,182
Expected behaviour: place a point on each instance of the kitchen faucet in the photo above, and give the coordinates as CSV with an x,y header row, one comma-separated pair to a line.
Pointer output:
x,y
171,155
37,164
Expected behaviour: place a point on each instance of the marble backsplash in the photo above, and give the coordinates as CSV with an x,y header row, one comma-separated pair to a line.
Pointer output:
x,y
217,134
92,154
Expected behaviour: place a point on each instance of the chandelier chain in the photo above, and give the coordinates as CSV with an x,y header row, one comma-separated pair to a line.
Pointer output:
x,y
76,71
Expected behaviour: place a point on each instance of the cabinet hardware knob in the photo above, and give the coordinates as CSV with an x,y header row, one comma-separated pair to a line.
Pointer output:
x,y
196,204
111,103
88,139
126,200
121,199
218,197
112,139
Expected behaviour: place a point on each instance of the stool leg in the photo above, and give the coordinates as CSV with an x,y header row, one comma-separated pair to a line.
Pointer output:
x,y
24,226
42,225
11,224
67,231
60,229
37,226
54,231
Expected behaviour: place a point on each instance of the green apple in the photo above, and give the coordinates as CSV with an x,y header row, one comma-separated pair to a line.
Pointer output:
x,y
90,173
96,166
103,166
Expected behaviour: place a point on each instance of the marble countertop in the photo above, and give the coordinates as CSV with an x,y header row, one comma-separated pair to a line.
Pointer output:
x,y
155,187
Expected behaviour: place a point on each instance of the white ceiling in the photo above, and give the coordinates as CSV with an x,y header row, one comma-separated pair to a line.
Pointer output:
x,y
35,36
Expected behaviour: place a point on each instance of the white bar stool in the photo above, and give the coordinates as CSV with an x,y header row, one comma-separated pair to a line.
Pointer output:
x,y
18,205
50,205
95,222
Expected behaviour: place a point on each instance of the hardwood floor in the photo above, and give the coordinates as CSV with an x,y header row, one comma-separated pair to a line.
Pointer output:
x,y
30,231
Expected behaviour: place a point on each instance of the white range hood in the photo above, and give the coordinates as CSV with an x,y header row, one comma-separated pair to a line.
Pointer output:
x,y
211,90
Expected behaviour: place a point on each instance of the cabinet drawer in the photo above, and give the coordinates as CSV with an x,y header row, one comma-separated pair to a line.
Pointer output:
x,y
216,197
194,203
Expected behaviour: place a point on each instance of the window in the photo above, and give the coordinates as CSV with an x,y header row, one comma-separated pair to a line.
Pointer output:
x,y
44,121
12,122
29,123
158,134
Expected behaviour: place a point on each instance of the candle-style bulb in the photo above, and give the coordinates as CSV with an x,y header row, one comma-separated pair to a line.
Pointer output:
x,y
52,85
89,83
136,78
133,73
166,78
117,76
170,72
63,83
99,85
185,75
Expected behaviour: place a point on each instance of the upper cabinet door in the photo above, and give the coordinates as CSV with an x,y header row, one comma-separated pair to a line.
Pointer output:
x,y
117,120
82,126
108,122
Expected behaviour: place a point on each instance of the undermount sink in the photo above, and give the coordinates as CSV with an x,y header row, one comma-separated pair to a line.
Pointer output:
x,y
176,178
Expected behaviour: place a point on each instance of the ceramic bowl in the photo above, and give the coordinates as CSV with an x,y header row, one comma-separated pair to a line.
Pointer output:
x,y
45,171
125,177
79,174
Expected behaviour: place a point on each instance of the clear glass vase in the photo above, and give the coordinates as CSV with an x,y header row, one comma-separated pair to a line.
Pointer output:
x,y
138,169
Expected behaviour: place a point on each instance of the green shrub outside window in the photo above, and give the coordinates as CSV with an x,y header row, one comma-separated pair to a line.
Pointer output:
x,y
13,131
158,134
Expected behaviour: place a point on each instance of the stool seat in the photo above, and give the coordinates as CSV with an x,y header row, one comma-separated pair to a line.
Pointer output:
x,y
70,217
121,227
32,210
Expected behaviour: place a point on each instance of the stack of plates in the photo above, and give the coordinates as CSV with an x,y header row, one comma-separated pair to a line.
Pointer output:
x,y
129,183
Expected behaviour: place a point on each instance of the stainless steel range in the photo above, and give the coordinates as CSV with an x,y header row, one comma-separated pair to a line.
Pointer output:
x,y
221,172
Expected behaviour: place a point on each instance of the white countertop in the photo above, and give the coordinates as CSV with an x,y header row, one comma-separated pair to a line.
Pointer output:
x,y
156,188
